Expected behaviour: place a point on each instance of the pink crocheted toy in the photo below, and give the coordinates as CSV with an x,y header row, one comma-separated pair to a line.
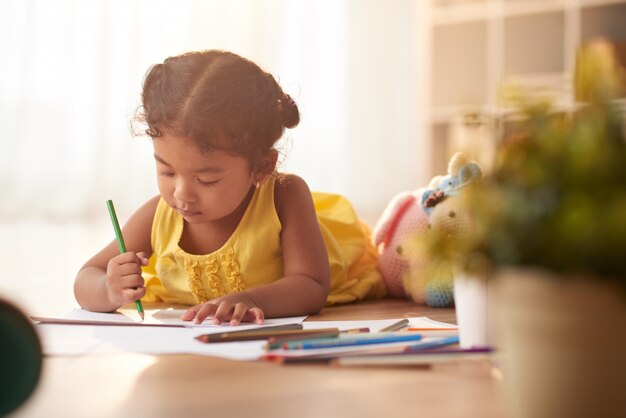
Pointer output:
x,y
403,230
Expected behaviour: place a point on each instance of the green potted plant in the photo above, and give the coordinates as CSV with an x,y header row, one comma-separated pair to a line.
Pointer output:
x,y
550,226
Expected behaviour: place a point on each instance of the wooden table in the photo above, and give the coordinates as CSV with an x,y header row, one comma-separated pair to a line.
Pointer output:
x,y
136,385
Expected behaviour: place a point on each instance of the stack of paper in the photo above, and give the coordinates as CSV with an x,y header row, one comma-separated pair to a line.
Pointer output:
x,y
81,332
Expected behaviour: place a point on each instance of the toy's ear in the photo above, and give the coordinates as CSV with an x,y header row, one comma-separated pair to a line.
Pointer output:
x,y
456,162
469,172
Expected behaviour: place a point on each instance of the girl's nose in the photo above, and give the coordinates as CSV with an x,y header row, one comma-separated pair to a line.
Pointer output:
x,y
183,191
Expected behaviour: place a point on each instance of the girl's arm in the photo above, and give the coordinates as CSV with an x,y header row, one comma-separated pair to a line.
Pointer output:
x,y
303,289
110,279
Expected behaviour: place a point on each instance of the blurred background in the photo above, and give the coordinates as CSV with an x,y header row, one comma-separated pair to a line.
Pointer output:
x,y
387,90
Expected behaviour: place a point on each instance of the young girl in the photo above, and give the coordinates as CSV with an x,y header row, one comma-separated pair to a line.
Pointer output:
x,y
227,233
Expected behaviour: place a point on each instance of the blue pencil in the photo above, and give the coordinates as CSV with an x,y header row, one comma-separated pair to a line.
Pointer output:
x,y
347,342
290,345
432,344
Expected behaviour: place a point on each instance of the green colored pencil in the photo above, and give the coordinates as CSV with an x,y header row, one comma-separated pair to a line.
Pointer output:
x,y
122,246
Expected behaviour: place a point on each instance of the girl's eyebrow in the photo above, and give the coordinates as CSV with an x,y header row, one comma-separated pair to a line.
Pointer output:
x,y
161,160
208,169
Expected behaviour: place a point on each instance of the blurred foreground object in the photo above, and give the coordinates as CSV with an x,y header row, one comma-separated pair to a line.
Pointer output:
x,y
556,198
550,223
20,357
599,74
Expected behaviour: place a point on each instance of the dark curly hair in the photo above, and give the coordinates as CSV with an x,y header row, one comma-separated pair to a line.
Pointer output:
x,y
218,99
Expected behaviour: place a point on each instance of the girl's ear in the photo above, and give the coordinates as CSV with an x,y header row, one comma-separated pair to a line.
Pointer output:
x,y
265,166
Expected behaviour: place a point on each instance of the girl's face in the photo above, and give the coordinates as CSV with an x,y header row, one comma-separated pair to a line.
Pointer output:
x,y
202,187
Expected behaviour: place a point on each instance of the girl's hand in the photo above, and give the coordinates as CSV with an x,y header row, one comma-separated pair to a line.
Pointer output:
x,y
124,282
234,308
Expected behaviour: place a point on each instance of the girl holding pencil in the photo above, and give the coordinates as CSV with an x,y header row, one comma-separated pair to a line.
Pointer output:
x,y
228,234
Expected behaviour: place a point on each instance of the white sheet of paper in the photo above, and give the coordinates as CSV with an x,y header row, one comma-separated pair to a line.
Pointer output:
x,y
72,340
162,317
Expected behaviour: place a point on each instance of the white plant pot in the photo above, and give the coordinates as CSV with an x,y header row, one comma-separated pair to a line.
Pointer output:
x,y
563,345
471,299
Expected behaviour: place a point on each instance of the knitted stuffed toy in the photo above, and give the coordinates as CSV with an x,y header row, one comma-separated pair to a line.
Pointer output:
x,y
413,219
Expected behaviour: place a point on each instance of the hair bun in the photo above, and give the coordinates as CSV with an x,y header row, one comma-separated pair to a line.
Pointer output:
x,y
289,113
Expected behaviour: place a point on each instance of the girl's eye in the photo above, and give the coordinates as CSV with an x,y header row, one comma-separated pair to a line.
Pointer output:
x,y
208,183
165,173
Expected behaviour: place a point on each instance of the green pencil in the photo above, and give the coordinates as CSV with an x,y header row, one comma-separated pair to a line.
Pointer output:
x,y
122,246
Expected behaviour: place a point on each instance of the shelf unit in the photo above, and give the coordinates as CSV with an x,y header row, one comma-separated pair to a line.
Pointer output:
x,y
476,46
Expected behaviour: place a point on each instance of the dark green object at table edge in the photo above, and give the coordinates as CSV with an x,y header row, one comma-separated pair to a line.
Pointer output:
x,y
20,357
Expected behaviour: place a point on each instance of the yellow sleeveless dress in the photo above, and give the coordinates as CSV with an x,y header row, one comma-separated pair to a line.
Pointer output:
x,y
252,256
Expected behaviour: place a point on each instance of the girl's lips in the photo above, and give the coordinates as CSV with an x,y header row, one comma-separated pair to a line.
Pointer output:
x,y
188,213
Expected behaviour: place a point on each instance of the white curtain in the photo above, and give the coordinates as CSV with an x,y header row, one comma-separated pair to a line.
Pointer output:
x,y
71,72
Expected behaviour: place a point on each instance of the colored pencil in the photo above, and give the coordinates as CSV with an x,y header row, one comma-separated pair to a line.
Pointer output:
x,y
303,356
262,333
429,345
396,326
301,360
278,341
345,337
355,330
412,358
431,329
436,333
352,341
274,343
122,247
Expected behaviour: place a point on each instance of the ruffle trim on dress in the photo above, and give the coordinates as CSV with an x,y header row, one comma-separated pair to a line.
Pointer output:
x,y
215,285
214,282
193,279
232,271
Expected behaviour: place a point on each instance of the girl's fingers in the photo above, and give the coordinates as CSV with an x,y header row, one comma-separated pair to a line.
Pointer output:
x,y
129,268
238,313
190,313
125,258
132,295
208,309
143,258
129,281
133,282
223,312
255,315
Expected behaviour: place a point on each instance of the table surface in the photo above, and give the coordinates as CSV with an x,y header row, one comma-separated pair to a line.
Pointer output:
x,y
137,385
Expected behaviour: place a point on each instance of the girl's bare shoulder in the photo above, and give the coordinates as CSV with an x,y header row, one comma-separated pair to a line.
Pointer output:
x,y
146,212
139,226
291,192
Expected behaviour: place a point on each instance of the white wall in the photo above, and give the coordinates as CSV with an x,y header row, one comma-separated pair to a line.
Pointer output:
x,y
70,77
